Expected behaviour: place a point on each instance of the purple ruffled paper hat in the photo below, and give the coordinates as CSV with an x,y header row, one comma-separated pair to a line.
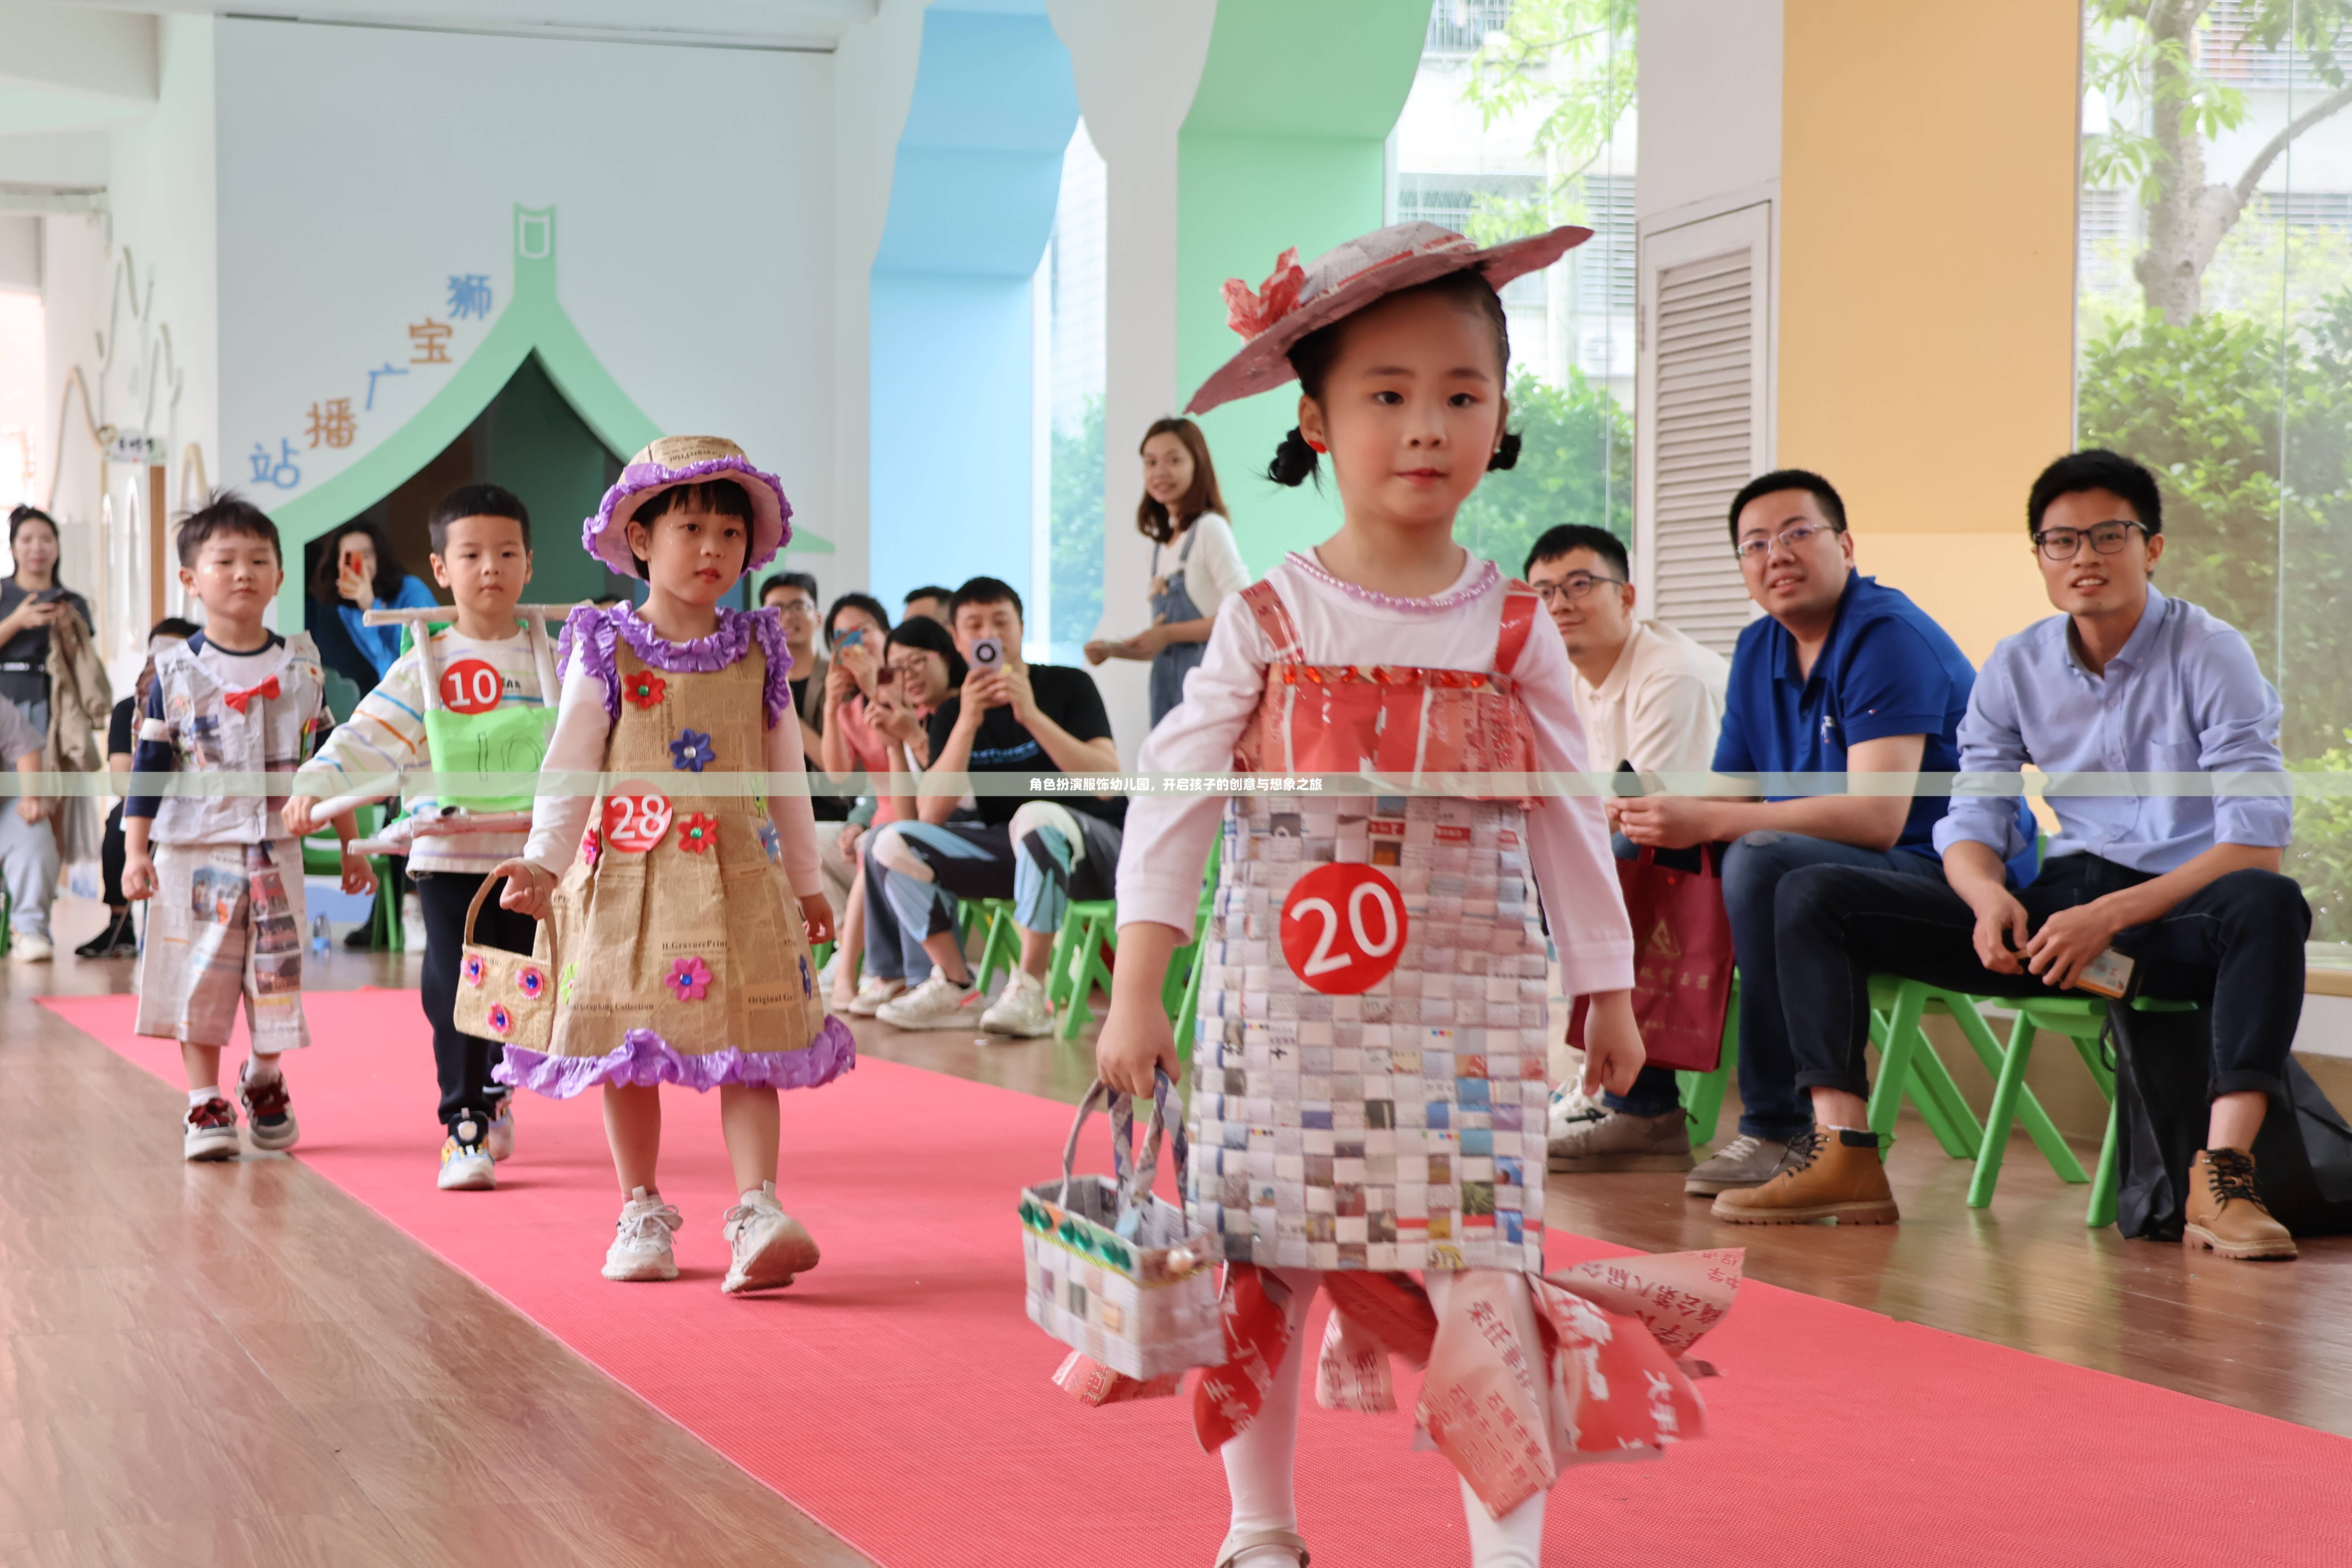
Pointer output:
x,y
1296,300
684,461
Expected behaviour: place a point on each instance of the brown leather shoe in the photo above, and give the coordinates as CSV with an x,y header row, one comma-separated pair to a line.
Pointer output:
x,y
2226,1214
1827,1173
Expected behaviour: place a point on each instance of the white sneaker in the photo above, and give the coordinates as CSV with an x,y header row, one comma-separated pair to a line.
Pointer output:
x,y
1020,1008
872,994
465,1165
1570,1106
937,1004
770,1247
23,948
824,975
641,1249
500,1142
209,1132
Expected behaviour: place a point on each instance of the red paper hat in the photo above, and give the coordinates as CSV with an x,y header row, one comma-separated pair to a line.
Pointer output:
x,y
1296,300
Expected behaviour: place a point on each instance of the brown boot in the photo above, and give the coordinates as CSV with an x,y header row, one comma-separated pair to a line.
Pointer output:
x,y
2226,1214
1827,1173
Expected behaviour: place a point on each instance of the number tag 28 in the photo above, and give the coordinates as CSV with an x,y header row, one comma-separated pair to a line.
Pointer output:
x,y
1343,929
635,819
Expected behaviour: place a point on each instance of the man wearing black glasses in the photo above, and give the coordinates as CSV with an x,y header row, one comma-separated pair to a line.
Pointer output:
x,y
2184,884
1651,699
1842,676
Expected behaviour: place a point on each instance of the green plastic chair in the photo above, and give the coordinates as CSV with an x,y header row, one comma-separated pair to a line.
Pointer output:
x,y
1702,1092
999,951
1078,967
2079,1019
1908,1065
7,908
343,695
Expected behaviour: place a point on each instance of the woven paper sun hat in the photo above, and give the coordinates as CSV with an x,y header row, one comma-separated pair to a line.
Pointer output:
x,y
1298,300
684,461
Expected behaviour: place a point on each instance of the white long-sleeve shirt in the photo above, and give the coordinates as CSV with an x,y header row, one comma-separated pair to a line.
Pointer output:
x,y
1167,836
583,727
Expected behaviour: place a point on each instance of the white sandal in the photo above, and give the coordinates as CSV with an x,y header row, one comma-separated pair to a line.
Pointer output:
x,y
1237,1544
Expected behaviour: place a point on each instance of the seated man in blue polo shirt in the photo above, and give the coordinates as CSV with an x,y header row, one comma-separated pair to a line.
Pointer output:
x,y
2184,884
1841,675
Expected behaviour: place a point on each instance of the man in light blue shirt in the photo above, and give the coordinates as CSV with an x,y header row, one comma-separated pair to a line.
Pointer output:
x,y
2185,884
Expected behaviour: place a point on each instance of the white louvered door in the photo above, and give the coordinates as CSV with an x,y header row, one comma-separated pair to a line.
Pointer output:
x,y
1704,414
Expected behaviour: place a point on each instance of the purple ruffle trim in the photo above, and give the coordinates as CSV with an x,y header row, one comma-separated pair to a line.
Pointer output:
x,y
588,629
643,1059
594,631
599,532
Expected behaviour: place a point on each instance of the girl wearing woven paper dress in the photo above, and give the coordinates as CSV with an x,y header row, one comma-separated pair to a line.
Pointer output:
x,y
1369,1093
670,924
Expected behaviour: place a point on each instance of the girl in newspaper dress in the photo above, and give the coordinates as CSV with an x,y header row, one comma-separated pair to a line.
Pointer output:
x,y
1369,1093
670,925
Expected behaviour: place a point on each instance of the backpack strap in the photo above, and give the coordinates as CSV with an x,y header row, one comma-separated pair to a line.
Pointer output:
x,y
1274,619
1519,608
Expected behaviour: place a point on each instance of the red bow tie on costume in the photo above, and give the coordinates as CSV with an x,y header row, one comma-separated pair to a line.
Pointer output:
x,y
237,700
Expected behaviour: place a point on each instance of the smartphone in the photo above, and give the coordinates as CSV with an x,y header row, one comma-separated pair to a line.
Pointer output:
x,y
2108,976
987,655
1626,784
352,562
885,676
850,640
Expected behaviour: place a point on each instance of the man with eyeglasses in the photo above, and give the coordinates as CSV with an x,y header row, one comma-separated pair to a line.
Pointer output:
x,y
1650,698
2182,882
1843,675
793,595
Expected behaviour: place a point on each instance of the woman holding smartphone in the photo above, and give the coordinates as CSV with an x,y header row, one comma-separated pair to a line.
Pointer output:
x,y
357,571
34,609
855,628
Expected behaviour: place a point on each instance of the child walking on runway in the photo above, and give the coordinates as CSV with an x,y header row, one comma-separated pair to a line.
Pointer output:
x,y
1368,1092
677,952
226,875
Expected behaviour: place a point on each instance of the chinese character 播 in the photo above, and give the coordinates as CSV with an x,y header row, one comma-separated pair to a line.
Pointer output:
x,y
431,342
333,423
388,369
470,295
280,470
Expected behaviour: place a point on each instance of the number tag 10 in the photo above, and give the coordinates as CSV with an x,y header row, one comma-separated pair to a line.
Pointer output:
x,y
1343,929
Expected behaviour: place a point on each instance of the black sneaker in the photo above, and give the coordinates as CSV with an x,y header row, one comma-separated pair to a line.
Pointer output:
x,y
119,940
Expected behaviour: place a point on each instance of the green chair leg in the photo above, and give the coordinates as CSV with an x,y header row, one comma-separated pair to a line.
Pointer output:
x,y
386,933
2006,1087
1187,1013
999,948
2023,1105
2102,1211
1703,1092
1089,927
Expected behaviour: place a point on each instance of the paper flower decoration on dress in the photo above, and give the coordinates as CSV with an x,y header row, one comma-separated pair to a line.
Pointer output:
x,y
501,1020
808,986
592,849
1250,314
697,831
689,977
644,689
772,841
472,969
530,981
691,751
568,985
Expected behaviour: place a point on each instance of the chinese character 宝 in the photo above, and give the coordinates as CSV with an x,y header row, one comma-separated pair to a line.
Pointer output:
x,y
333,423
431,340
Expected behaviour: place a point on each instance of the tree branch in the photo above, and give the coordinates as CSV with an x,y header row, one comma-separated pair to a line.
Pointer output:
x,y
2244,186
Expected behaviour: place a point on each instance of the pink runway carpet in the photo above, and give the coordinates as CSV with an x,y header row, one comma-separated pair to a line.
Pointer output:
x,y
898,1393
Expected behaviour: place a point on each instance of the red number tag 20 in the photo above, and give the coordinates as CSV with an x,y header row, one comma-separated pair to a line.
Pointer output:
x,y
1343,929
634,822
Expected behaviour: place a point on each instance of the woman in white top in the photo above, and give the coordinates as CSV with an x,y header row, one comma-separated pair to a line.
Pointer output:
x,y
1180,508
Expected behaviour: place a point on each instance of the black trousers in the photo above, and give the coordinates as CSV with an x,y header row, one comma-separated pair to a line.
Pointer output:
x,y
112,849
463,1061
2236,945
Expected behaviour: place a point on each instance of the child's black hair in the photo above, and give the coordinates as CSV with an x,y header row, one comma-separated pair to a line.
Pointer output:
x,y
724,498
1312,356
226,512
475,500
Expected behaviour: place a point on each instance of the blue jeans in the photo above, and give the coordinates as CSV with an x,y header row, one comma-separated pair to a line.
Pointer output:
x,y
1771,1104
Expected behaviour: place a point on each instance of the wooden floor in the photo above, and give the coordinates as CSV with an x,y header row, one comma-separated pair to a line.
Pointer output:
x,y
241,1365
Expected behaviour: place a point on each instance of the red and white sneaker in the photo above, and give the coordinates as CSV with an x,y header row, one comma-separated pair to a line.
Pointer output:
x,y
270,1115
210,1132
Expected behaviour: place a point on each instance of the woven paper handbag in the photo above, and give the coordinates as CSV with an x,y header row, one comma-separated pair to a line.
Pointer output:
x,y
505,996
1114,1271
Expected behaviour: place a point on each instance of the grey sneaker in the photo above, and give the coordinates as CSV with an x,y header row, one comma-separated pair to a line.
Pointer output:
x,y
1618,1141
1745,1161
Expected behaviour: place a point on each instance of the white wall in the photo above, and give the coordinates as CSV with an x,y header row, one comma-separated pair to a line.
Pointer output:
x,y
358,169
1708,101
1138,63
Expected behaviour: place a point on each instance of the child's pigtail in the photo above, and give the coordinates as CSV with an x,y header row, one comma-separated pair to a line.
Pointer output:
x,y
1507,455
1295,462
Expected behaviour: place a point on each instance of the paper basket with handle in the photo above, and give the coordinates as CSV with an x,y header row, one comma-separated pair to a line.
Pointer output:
x,y
1120,1275
505,996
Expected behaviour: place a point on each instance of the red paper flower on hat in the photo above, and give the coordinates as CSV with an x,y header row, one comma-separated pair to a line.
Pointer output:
x,y
690,978
697,831
644,689
1250,314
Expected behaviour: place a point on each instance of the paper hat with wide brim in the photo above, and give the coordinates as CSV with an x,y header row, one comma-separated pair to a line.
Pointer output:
x,y
688,460
1298,300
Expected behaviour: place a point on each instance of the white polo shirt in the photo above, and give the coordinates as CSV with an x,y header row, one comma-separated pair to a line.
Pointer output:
x,y
1659,708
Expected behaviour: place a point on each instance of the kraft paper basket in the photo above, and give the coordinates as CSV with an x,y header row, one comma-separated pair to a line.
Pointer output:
x,y
1114,1271
505,996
